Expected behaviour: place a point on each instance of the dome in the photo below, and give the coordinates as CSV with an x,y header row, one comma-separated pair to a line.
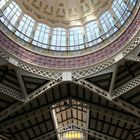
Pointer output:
x,y
90,37
95,21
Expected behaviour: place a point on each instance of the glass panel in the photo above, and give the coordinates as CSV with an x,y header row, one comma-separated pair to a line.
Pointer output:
x,y
41,37
58,38
76,37
25,27
2,3
55,38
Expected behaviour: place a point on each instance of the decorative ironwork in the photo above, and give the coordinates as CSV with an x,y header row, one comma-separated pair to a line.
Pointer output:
x,y
126,87
12,92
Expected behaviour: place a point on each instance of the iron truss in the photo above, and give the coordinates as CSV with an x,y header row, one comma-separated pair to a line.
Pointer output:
x,y
16,106
122,104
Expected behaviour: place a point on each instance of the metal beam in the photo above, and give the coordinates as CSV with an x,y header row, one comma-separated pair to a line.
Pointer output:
x,y
11,92
29,115
42,89
3,61
2,137
21,83
136,133
55,122
105,71
25,116
16,106
87,122
126,87
97,90
73,127
127,106
93,107
26,73
133,135
83,73
47,136
113,79
109,112
122,104
49,74
133,58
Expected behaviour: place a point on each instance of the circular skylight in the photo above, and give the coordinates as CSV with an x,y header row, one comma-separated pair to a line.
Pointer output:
x,y
73,38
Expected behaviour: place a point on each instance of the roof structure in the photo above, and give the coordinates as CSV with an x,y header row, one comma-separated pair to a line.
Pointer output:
x,y
79,81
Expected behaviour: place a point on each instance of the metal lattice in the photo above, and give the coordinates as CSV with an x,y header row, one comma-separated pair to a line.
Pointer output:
x,y
12,92
126,87
44,73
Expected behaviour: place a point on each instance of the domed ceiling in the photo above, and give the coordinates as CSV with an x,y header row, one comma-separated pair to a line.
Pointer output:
x,y
101,42
64,13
